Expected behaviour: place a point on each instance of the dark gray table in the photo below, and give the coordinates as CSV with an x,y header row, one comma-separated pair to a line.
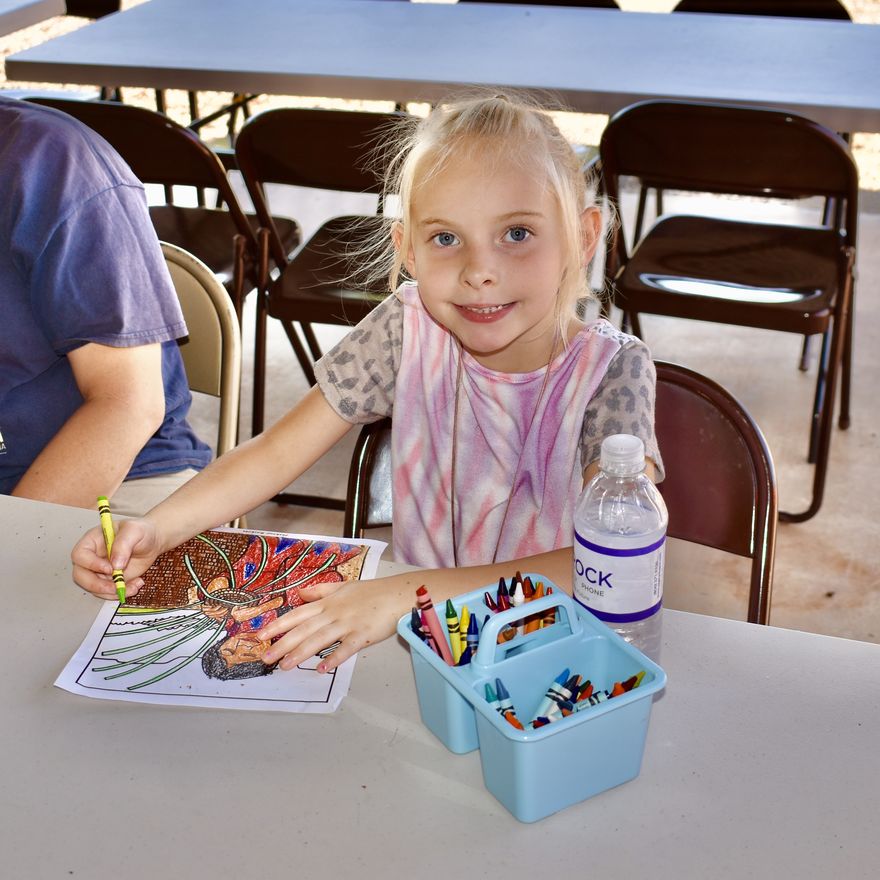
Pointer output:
x,y
596,60
18,14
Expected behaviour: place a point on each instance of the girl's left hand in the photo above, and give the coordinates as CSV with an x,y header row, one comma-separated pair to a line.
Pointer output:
x,y
355,613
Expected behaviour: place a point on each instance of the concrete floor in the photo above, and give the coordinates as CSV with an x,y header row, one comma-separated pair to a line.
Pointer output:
x,y
827,576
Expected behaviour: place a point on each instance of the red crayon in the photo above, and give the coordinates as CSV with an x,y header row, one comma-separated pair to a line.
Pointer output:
x,y
617,690
528,588
429,615
490,602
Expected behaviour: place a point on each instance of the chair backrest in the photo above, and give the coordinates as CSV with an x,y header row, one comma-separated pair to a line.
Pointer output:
x,y
720,485
830,9
322,149
157,149
368,501
212,351
700,148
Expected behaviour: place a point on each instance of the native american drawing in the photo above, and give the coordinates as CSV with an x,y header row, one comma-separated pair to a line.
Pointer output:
x,y
204,602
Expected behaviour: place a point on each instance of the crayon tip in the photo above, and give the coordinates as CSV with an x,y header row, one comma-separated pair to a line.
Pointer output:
x,y
501,690
490,694
562,678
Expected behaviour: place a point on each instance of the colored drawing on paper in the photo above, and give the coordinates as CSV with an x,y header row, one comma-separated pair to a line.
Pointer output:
x,y
192,628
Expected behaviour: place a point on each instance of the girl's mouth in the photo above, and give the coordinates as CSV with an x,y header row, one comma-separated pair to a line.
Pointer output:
x,y
481,314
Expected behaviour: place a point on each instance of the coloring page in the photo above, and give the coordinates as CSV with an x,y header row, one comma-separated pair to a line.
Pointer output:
x,y
189,636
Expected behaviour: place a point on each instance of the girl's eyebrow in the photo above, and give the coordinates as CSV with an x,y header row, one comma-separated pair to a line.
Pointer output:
x,y
510,215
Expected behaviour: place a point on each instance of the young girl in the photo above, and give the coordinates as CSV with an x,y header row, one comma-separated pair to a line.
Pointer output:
x,y
500,395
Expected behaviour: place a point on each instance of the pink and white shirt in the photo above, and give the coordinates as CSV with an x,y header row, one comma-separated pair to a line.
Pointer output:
x,y
522,439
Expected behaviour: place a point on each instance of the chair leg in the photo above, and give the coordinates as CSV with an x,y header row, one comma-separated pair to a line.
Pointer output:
x,y
193,105
239,263
640,214
846,369
659,201
259,395
819,398
806,354
839,349
300,352
311,341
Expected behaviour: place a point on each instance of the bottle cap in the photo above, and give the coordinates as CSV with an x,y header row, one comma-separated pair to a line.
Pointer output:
x,y
622,455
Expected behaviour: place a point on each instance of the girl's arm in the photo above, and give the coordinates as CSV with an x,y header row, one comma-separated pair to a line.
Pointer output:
x,y
232,485
359,613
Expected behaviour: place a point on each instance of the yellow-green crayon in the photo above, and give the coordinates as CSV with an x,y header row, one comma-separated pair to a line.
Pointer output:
x,y
452,624
107,529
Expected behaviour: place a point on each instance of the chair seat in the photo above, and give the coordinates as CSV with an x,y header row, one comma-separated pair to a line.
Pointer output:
x,y
208,232
320,285
753,274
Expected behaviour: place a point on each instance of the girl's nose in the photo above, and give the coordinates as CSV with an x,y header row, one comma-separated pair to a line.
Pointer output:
x,y
479,269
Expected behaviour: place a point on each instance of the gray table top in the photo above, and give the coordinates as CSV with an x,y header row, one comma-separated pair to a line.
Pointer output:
x,y
18,14
593,59
761,761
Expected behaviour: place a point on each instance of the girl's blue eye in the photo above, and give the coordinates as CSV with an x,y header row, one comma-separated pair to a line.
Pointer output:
x,y
445,239
517,233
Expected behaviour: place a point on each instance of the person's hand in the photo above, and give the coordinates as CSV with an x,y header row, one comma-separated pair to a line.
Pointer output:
x,y
355,613
135,547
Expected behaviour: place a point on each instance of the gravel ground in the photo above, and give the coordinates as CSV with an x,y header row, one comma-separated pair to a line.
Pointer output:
x,y
580,127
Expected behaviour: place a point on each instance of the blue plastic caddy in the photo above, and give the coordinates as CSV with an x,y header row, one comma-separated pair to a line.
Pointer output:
x,y
536,771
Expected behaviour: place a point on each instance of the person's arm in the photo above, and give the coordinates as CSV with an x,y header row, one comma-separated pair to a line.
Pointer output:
x,y
123,405
358,614
230,486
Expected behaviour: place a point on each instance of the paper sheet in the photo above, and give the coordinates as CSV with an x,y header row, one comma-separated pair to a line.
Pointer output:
x,y
187,638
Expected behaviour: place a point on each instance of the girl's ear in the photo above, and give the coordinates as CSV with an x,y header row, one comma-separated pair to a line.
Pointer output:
x,y
397,240
591,231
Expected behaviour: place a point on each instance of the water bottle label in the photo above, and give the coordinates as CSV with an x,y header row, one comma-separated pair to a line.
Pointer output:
x,y
619,585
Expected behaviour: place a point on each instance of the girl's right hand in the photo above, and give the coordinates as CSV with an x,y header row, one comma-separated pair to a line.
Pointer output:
x,y
135,547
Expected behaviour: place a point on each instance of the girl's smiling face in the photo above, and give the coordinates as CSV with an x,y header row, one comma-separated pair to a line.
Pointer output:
x,y
487,250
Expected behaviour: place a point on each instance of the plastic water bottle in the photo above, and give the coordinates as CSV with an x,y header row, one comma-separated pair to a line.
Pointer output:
x,y
620,545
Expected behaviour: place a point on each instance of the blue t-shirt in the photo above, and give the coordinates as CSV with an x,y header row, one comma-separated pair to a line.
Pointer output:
x,y
79,263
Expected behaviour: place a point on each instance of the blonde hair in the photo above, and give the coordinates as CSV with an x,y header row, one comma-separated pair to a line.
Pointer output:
x,y
501,127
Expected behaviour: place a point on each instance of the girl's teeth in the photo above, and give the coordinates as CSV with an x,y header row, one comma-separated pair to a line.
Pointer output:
x,y
486,311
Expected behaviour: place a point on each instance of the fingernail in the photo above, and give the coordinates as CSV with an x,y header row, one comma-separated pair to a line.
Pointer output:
x,y
322,667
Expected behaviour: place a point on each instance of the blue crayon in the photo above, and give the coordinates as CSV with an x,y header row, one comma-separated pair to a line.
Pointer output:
x,y
491,697
504,701
472,637
549,698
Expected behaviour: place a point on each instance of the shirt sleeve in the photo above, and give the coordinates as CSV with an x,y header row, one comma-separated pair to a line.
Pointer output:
x,y
102,278
623,404
358,375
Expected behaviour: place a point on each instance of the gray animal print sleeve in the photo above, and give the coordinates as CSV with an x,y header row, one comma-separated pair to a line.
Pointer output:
x,y
357,379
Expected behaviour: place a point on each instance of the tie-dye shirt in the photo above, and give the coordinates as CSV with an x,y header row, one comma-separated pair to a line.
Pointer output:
x,y
517,437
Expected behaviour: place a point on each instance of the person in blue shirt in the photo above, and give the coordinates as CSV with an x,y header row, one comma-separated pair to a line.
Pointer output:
x,y
93,394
